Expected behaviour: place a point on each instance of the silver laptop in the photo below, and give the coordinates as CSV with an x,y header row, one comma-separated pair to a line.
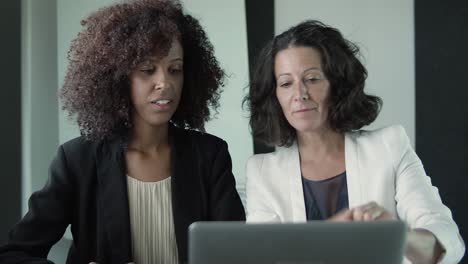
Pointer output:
x,y
307,243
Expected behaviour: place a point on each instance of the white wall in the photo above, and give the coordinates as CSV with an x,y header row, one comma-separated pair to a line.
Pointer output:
x,y
69,15
384,30
38,89
225,24
39,100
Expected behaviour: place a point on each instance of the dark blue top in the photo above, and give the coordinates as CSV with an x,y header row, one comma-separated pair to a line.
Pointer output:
x,y
326,197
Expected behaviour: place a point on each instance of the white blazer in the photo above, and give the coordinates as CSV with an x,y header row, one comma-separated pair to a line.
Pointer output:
x,y
381,166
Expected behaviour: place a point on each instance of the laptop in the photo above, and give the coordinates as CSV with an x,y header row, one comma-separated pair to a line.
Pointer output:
x,y
315,242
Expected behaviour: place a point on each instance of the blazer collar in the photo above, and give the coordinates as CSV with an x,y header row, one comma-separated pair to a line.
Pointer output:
x,y
293,172
353,173
186,205
114,239
114,233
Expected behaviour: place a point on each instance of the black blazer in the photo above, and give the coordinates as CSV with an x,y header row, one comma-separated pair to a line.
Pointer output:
x,y
87,189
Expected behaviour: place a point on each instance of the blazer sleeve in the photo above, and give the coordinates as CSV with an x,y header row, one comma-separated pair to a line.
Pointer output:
x,y
44,224
225,203
418,201
258,207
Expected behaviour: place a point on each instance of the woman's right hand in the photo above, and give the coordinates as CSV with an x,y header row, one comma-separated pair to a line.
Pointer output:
x,y
367,212
345,215
422,246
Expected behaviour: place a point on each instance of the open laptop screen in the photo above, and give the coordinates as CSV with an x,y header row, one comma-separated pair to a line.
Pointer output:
x,y
305,243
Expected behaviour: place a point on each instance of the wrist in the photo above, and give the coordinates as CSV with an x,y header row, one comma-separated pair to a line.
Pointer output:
x,y
422,246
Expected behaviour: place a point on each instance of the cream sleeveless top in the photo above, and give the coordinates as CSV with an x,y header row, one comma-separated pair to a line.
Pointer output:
x,y
151,222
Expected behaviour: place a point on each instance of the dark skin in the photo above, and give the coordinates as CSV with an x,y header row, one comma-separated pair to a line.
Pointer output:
x,y
149,162
156,87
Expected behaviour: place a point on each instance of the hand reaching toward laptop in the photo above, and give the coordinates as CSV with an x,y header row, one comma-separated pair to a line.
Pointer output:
x,y
366,212
421,247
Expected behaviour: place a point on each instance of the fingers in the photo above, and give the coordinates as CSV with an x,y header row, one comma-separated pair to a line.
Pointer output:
x,y
370,212
367,212
373,214
342,216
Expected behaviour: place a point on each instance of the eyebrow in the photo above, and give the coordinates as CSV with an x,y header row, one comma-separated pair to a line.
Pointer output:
x,y
284,74
152,60
306,70
312,68
177,59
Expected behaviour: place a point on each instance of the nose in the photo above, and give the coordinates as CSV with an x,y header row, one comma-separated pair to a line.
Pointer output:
x,y
161,80
302,93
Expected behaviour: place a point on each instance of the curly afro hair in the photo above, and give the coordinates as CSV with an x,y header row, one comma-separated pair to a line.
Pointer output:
x,y
350,108
113,42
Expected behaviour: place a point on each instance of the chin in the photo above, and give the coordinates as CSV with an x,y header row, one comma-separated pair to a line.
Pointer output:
x,y
160,122
307,127
157,121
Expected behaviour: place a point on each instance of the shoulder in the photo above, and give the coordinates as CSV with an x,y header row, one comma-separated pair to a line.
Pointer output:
x,y
391,140
79,146
256,160
390,135
74,161
199,138
202,143
261,158
276,159
80,153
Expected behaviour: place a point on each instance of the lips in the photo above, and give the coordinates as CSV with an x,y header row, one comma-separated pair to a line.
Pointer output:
x,y
305,110
161,102
161,105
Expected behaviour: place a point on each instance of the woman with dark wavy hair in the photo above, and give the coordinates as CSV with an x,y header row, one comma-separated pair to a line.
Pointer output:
x,y
141,80
307,98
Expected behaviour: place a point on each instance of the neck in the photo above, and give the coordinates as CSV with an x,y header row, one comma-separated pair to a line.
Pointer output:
x,y
148,138
319,144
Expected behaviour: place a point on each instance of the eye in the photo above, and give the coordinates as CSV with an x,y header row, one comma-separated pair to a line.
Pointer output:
x,y
148,71
176,70
313,79
285,84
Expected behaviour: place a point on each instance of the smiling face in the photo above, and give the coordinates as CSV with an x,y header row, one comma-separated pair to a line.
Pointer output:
x,y
302,88
156,87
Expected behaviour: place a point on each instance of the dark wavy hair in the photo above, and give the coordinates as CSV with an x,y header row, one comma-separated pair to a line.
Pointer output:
x,y
349,107
113,42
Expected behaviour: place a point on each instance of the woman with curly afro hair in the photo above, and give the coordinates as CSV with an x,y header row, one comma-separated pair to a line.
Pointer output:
x,y
141,80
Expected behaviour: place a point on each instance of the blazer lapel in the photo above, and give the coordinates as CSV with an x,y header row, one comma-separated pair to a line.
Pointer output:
x,y
353,176
114,240
293,172
186,205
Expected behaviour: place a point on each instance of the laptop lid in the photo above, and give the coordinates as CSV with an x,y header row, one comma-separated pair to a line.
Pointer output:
x,y
297,243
